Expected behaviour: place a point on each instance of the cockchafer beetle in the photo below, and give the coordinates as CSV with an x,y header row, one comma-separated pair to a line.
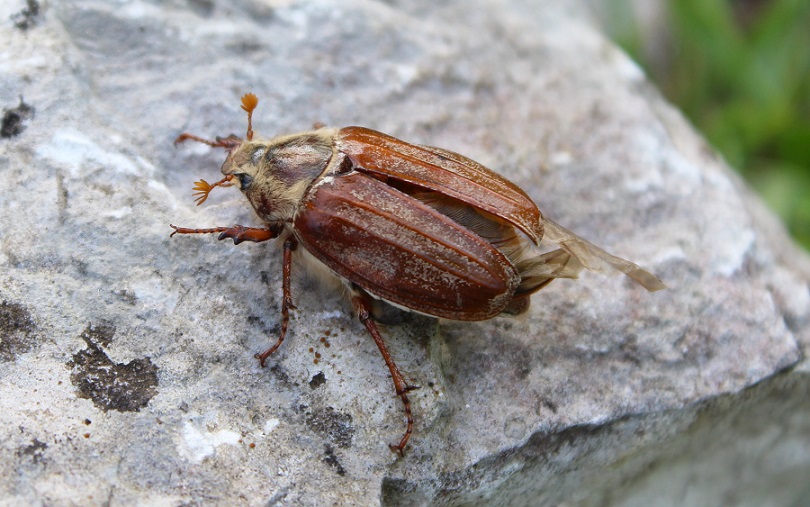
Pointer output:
x,y
419,227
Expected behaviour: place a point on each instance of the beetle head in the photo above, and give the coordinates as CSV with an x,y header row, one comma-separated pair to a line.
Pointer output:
x,y
232,143
274,174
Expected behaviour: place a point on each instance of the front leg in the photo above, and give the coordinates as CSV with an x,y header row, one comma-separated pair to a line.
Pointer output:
x,y
241,233
290,245
238,233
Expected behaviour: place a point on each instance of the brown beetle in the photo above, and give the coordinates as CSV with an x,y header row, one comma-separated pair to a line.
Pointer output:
x,y
422,228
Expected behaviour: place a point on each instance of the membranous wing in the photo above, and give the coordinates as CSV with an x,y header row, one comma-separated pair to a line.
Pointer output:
x,y
442,171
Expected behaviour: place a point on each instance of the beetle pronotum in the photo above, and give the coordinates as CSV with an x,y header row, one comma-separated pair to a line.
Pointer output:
x,y
423,228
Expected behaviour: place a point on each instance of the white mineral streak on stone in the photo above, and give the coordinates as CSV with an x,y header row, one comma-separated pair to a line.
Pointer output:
x,y
72,149
270,425
198,445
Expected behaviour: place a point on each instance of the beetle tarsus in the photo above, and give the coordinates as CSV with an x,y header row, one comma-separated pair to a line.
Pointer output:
x,y
185,136
400,447
229,143
238,233
183,230
362,306
267,353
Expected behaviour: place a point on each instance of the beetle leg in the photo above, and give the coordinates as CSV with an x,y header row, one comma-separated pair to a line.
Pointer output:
x,y
286,304
229,143
362,306
238,233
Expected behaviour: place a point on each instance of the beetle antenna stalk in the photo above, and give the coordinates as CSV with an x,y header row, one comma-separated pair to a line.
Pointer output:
x,y
249,103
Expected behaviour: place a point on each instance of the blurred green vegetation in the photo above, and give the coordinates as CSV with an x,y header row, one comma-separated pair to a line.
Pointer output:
x,y
740,70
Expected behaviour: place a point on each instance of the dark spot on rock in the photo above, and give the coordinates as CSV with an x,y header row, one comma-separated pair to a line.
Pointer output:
x,y
111,386
81,266
255,320
317,380
203,8
26,18
127,296
265,277
630,349
280,374
550,405
34,450
332,425
393,489
16,330
332,460
101,335
12,123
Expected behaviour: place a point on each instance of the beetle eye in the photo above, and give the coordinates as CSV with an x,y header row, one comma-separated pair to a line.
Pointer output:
x,y
244,181
257,156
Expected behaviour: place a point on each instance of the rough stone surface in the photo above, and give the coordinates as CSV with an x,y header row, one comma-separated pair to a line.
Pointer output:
x,y
126,368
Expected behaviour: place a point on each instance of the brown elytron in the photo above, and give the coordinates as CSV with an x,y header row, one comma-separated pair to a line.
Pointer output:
x,y
420,227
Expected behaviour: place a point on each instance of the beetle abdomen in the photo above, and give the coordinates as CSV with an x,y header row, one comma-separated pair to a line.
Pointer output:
x,y
402,250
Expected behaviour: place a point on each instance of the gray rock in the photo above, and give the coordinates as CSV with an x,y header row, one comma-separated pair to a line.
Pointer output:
x,y
126,357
